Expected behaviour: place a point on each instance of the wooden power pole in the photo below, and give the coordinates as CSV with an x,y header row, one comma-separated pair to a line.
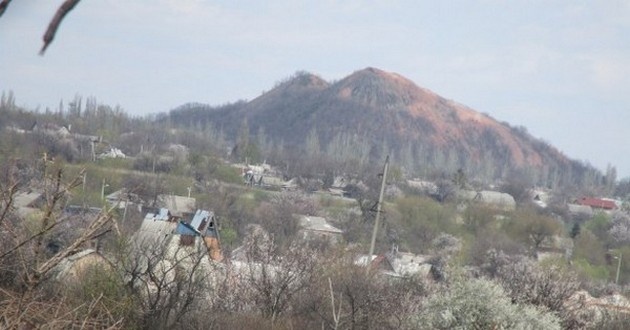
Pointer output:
x,y
378,213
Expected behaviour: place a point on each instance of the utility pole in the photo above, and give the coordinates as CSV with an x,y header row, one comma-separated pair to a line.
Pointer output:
x,y
84,183
378,213
103,185
125,211
618,268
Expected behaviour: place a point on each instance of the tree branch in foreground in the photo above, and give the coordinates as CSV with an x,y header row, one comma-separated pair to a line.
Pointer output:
x,y
3,6
63,10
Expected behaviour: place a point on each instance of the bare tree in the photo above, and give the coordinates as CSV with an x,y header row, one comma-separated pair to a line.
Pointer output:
x,y
271,280
278,215
343,296
446,189
167,274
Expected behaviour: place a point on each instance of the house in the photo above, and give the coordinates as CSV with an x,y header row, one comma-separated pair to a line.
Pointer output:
x,y
51,128
259,169
72,210
555,247
113,153
290,185
496,199
251,230
577,209
161,254
592,310
72,268
405,264
253,174
317,228
364,260
336,192
15,129
64,131
427,187
179,206
165,228
268,181
28,202
203,225
597,203
156,227
338,187
540,197
122,198
339,182
397,264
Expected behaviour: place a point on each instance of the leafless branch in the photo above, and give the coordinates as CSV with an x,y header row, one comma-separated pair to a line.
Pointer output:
x,y
336,312
63,10
3,6
47,224
31,311
169,277
10,193
40,233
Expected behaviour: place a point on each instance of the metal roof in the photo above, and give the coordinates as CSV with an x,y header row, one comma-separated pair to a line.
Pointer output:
x,y
489,197
597,203
198,218
153,230
405,263
25,199
177,204
317,224
162,215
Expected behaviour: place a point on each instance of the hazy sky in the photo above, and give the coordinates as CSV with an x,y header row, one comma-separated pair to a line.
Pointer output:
x,y
559,68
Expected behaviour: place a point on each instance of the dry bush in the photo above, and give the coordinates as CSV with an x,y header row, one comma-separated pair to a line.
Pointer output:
x,y
346,296
271,279
43,311
28,264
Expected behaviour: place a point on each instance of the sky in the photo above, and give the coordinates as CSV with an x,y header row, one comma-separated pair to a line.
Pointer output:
x,y
559,68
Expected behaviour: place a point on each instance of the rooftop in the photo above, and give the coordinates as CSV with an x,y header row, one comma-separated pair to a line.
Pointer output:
x,y
317,224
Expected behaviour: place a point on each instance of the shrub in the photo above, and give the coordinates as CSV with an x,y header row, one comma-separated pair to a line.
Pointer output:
x,y
481,304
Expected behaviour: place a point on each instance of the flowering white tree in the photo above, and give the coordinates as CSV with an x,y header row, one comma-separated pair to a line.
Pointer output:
x,y
481,304
620,229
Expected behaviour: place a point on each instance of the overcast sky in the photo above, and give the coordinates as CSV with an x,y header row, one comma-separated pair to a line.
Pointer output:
x,y
559,68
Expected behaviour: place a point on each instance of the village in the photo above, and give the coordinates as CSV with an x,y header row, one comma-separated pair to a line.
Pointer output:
x,y
187,233
183,237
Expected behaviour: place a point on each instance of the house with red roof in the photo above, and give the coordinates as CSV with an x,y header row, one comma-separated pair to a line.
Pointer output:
x,y
597,203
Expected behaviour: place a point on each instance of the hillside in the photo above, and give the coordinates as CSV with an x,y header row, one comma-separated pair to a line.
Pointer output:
x,y
371,113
